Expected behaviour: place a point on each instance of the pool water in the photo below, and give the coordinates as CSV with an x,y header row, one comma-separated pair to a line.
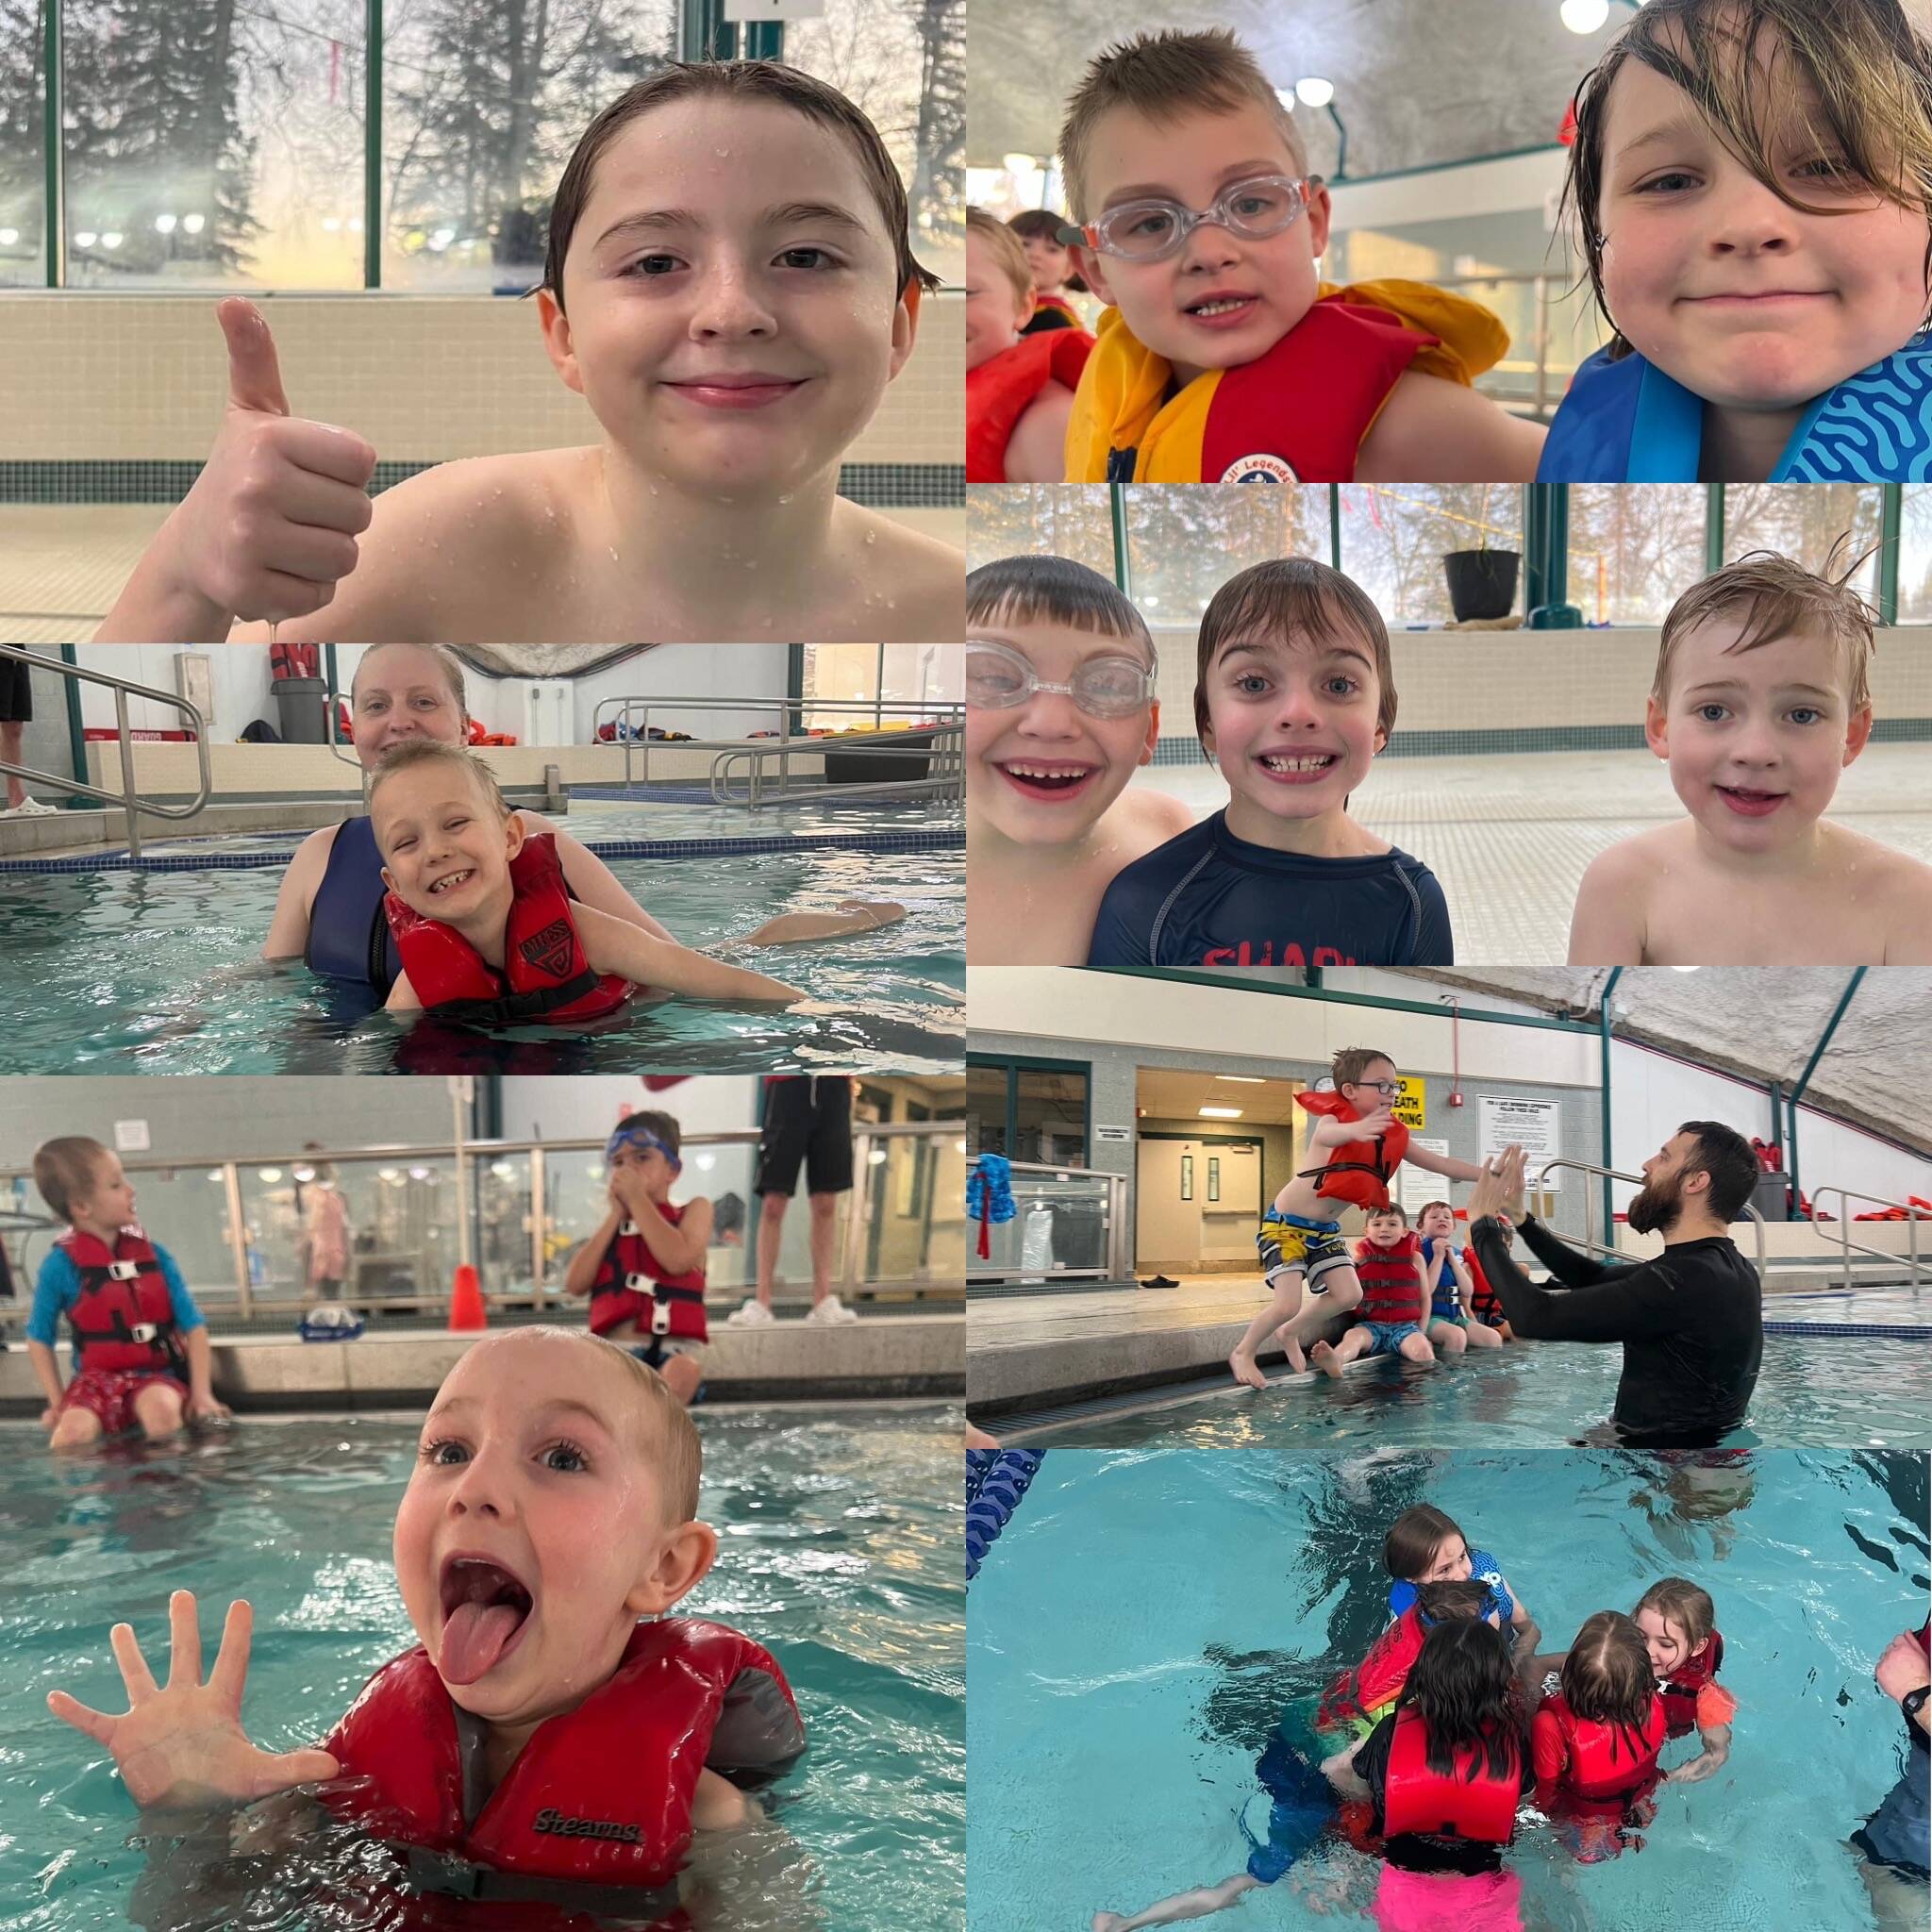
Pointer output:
x,y
1145,1618
158,972
1871,1391
838,1548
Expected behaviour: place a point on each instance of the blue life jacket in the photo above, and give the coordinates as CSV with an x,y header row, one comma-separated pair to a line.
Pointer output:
x,y
348,937
1628,422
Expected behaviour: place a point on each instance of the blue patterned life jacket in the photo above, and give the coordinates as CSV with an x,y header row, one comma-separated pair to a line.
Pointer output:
x,y
1628,422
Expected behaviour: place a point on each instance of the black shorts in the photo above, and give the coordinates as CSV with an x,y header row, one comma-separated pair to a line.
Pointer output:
x,y
16,692
808,1122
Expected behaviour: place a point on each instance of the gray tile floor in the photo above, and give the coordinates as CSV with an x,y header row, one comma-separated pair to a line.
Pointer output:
x,y
1510,835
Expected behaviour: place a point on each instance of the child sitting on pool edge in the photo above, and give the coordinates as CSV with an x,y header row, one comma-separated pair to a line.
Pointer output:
x,y
1751,181
1454,1324
553,1721
732,329
1221,356
1294,696
144,1357
643,1268
1761,697
482,920
1061,711
1396,1297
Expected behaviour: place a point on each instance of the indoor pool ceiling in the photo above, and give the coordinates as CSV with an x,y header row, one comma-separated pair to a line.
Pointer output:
x,y
1417,82
1760,1023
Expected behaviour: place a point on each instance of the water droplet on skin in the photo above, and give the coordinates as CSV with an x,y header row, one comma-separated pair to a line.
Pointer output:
x,y
723,153
613,553
872,536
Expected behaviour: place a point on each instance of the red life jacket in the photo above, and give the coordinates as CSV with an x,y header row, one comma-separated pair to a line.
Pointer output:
x,y
1390,1290
545,974
1483,1304
601,1794
1358,1171
1606,1761
1377,1680
1471,1805
1002,388
632,1285
1057,305
125,1316
1679,1692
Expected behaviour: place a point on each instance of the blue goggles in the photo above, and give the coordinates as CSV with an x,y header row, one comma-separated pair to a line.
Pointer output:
x,y
636,1135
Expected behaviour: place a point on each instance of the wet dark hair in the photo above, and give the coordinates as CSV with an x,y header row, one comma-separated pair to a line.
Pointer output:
x,y
1606,1677
1867,66
734,80
1053,590
1454,1602
1726,1156
1293,597
1463,1689
1414,1538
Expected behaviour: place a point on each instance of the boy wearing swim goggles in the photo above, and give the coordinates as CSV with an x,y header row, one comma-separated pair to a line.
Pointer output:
x,y
1221,356
1060,712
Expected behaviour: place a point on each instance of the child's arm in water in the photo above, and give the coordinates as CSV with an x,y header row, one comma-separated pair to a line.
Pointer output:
x,y
1606,928
1437,431
610,946
718,1805
184,1746
1717,1747
795,928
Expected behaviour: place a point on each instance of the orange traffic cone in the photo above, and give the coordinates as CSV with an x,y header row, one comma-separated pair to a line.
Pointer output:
x,y
466,1302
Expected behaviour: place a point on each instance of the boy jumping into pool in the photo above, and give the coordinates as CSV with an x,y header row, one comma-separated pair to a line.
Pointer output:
x,y
1364,1145
484,924
1060,713
1222,357
731,329
144,1355
1759,701
643,1268
552,1723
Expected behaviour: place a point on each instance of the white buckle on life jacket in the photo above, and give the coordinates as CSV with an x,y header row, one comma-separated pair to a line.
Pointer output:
x,y
144,1331
630,1228
637,1284
661,1318
124,1270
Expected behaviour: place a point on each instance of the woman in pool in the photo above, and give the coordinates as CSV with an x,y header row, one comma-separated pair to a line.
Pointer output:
x,y
732,327
328,912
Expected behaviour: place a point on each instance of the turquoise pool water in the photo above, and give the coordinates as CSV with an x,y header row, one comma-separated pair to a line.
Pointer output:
x,y
1146,1617
158,972
838,1547
1820,1390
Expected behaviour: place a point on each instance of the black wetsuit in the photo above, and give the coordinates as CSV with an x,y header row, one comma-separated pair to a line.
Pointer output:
x,y
1691,1324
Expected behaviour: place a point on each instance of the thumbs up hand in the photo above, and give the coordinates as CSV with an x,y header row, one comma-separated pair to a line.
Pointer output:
x,y
269,528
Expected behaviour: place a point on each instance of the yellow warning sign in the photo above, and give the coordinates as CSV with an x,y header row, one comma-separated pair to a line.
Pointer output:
x,y
1408,1106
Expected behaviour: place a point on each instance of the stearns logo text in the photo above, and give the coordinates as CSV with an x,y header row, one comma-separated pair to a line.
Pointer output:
x,y
558,1825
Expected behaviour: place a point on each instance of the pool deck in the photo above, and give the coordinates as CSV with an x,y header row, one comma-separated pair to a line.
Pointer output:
x,y
876,1358
1031,1351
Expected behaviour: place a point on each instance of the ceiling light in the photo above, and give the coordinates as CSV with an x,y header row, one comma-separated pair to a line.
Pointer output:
x,y
1585,16
1242,1079
1314,91
1219,1113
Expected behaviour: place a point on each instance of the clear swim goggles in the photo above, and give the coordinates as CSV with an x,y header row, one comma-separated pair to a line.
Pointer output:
x,y
998,678
1152,230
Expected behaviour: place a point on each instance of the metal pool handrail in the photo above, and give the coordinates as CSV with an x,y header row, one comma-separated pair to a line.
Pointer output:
x,y
128,798
780,708
1113,1269
1845,1198
945,769
1590,1240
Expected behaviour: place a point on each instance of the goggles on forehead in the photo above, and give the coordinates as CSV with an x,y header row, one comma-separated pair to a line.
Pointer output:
x,y
998,678
1153,229
638,1137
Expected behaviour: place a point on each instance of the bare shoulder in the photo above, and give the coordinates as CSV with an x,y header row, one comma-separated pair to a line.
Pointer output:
x,y
1899,882
1148,817
1433,429
1631,863
920,579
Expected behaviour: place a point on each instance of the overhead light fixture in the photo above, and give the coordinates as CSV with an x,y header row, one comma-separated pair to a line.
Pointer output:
x,y
1242,1079
1314,91
1219,1113
1585,16
1020,164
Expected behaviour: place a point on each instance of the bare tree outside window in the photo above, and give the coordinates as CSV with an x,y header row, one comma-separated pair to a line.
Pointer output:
x,y
22,161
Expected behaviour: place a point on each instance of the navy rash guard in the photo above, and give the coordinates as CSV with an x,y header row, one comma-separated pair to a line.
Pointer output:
x,y
1207,898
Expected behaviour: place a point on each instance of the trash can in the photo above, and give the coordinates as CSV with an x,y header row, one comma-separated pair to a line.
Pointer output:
x,y
908,761
1771,1195
303,703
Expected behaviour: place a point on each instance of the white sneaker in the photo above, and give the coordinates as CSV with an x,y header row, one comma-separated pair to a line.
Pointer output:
x,y
753,1314
830,1313
29,809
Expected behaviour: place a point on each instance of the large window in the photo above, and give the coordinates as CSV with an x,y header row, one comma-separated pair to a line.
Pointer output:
x,y
1394,538
901,682
23,164
1915,554
1029,1111
1635,548
1184,544
1041,519
1819,524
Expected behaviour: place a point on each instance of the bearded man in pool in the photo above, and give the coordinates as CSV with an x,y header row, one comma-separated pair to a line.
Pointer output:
x,y
1692,1322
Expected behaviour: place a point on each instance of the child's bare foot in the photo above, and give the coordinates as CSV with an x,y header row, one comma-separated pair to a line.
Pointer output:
x,y
1293,1349
1323,1355
1244,1370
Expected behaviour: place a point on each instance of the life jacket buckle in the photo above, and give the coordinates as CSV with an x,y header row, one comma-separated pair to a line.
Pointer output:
x,y
661,1318
637,1284
629,1227
124,1270
142,1331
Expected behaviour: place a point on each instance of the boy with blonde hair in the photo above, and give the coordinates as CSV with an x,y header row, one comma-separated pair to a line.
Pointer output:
x,y
1223,356
1759,701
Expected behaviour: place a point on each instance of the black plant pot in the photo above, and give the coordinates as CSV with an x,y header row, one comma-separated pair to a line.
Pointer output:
x,y
1482,583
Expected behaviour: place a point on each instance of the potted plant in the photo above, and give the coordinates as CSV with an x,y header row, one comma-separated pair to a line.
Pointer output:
x,y
1482,582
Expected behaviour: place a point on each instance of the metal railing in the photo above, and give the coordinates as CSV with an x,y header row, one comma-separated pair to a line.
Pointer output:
x,y
1111,1190
1636,1180
1845,1198
128,798
535,1214
787,717
1539,396
767,768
